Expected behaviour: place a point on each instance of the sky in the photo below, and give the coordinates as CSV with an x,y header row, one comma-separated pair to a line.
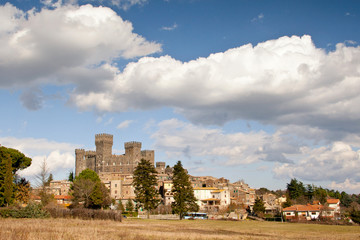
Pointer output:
x,y
253,90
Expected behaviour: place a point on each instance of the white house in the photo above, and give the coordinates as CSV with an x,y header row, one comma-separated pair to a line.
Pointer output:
x,y
212,199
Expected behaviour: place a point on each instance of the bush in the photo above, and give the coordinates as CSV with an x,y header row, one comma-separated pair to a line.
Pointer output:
x,y
32,210
84,213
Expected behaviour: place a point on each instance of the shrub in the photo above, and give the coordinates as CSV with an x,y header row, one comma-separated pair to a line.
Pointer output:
x,y
84,213
32,210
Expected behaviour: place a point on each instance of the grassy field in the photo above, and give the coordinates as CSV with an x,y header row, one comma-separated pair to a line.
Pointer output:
x,y
166,229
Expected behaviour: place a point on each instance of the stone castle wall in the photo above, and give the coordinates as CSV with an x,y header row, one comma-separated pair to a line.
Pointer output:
x,y
103,161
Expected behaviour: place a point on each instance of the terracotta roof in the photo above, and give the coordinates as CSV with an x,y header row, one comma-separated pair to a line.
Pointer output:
x,y
332,201
217,191
304,208
205,188
211,199
63,197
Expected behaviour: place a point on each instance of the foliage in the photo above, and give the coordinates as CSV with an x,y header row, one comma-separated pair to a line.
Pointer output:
x,y
258,207
145,183
83,213
32,210
50,178
22,193
71,176
88,174
11,160
129,206
19,160
121,206
355,216
90,191
7,186
287,203
185,200
295,189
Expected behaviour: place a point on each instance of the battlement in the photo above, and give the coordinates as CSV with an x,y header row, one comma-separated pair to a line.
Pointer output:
x,y
132,144
103,137
79,151
89,152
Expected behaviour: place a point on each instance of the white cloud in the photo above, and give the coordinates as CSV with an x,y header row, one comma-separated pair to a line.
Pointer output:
x,y
124,124
286,81
66,44
179,139
336,162
126,4
348,186
258,18
170,28
59,156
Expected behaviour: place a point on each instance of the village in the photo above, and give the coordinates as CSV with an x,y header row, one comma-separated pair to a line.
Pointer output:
x,y
217,197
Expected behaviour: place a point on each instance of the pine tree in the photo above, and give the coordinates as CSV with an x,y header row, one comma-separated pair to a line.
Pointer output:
x,y
145,182
8,181
71,176
185,200
11,160
259,207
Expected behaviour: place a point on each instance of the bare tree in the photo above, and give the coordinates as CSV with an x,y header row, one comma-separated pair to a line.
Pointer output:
x,y
42,182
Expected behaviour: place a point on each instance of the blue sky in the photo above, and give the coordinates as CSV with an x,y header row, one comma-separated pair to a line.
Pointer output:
x,y
262,91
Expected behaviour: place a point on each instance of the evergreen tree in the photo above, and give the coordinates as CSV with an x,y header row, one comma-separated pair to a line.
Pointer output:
x,y
295,189
145,182
11,160
129,206
71,176
185,200
50,178
96,196
8,181
258,207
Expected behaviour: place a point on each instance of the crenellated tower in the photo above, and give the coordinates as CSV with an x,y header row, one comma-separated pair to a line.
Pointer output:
x,y
80,161
103,143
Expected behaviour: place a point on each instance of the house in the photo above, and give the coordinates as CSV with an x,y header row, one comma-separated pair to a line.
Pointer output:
x,y
212,199
308,212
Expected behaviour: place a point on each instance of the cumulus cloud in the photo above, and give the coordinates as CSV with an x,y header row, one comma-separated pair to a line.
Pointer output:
x,y
65,44
336,162
124,124
59,156
286,81
347,186
179,139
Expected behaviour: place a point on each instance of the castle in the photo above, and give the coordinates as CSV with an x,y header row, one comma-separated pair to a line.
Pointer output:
x,y
103,161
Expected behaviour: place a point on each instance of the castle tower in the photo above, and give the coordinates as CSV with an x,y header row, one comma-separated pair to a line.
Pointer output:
x,y
133,151
104,143
80,162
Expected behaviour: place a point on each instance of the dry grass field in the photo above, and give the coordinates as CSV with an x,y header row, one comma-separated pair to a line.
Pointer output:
x,y
166,229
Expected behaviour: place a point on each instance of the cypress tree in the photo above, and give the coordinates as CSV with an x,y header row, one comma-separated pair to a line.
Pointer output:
x,y
8,181
145,182
185,200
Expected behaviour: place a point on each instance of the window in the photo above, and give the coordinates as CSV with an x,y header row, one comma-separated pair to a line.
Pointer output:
x,y
288,214
115,191
115,185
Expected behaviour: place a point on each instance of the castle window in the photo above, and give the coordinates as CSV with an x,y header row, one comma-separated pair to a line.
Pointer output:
x,y
115,185
113,164
115,191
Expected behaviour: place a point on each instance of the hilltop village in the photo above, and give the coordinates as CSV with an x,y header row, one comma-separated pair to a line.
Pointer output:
x,y
214,195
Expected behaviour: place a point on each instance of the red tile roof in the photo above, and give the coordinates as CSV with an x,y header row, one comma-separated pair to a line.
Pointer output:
x,y
304,208
333,201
